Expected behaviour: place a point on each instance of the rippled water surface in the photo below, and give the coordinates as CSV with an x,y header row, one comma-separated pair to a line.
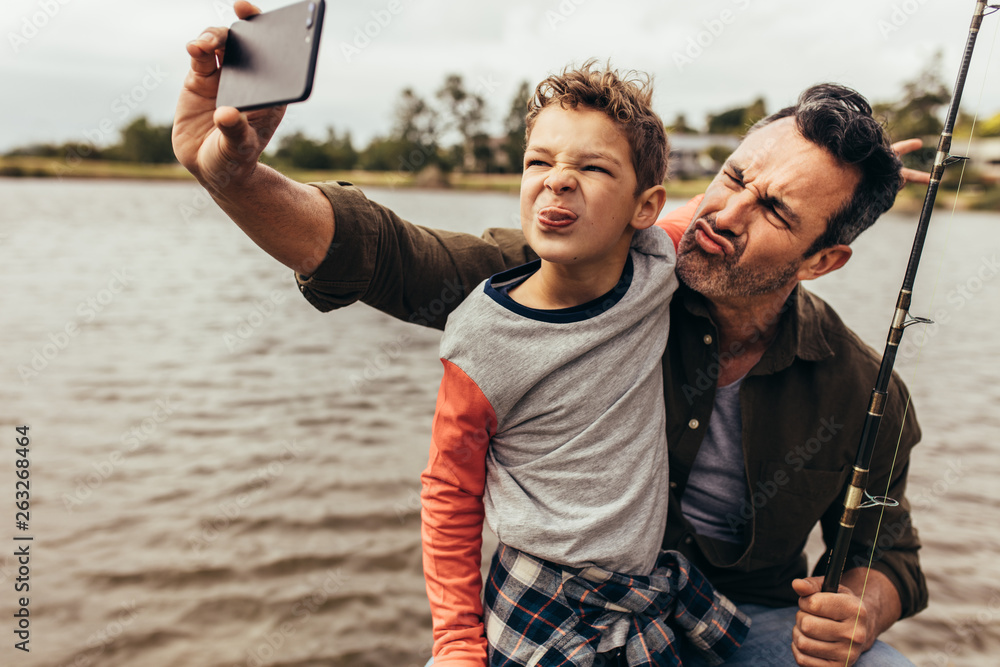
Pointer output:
x,y
222,475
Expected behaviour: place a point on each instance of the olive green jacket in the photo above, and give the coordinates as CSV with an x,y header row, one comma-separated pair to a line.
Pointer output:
x,y
803,404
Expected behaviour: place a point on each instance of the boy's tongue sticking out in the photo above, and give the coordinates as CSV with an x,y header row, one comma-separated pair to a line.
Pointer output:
x,y
556,217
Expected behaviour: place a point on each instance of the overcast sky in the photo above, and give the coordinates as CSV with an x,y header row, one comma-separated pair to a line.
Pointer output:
x,y
82,69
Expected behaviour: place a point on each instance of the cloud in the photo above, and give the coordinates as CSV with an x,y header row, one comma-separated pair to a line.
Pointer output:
x,y
64,79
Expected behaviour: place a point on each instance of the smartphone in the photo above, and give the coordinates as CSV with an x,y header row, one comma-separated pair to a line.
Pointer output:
x,y
270,58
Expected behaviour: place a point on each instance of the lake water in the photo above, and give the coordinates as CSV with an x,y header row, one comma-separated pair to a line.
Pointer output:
x,y
222,475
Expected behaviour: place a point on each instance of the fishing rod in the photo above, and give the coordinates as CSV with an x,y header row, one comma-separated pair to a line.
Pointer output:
x,y
856,497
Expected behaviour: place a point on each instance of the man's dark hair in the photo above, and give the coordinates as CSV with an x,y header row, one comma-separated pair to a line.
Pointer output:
x,y
840,120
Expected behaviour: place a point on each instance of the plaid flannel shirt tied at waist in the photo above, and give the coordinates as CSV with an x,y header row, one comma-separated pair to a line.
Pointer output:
x,y
541,613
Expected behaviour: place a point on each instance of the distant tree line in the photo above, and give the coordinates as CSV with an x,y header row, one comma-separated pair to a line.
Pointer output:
x,y
449,132
140,142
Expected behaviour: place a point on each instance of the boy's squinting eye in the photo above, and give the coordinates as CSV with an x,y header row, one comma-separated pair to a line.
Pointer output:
x,y
535,163
594,167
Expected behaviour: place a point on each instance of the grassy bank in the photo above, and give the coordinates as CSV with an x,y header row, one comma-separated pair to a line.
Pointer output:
x,y
972,198
37,167
908,201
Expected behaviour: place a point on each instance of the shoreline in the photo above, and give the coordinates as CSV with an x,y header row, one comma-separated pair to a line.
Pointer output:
x,y
909,200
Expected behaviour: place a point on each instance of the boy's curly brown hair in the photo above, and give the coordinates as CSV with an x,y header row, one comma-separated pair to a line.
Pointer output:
x,y
625,97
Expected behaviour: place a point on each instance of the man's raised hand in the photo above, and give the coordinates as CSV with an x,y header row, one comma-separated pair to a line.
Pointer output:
x,y
219,146
911,175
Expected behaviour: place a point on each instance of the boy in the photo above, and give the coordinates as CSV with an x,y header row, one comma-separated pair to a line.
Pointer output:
x,y
552,374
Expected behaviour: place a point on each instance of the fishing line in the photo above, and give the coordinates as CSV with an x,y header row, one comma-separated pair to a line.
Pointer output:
x,y
919,347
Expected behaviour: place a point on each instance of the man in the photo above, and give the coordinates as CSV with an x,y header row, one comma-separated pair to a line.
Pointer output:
x,y
766,388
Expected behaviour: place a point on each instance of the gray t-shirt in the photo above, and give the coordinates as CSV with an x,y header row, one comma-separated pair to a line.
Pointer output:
x,y
716,488
577,470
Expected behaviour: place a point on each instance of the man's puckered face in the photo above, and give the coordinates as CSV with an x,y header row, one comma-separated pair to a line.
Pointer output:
x,y
761,213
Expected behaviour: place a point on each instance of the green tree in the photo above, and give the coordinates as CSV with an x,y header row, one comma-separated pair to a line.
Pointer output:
x,y
411,145
484,154
340,149
465,114
755,112
737,120
143,142
680,126
384,154
415,135
990,127
515,128
718,153
38,150
916,114
416,122
298,150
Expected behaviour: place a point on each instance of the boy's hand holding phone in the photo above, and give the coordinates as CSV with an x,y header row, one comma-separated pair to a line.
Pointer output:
x,y
219,146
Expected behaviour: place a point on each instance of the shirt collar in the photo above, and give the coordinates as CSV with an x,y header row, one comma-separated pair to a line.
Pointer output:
x,y
801,330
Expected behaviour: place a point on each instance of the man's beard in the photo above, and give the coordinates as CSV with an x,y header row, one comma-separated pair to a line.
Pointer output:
x,y
723,276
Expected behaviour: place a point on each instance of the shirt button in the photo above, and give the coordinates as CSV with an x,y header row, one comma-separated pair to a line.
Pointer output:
x,y
693,424
673,485
707,339
688,540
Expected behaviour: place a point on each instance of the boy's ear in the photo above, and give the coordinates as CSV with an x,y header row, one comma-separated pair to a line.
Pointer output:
x,y
648,204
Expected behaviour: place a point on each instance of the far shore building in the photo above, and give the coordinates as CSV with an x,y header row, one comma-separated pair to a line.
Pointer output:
x,y
691,155
699,155
984,156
